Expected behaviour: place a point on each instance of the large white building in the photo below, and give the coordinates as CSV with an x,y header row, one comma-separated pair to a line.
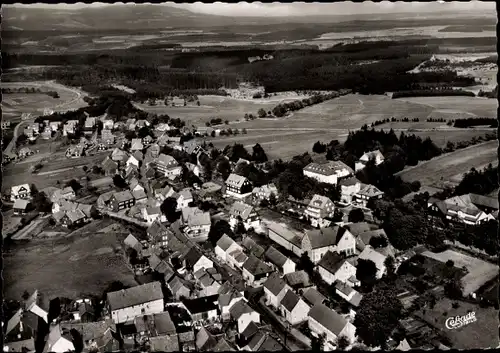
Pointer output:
x,y
329,172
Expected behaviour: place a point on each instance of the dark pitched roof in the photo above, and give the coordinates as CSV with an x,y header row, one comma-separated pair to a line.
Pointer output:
x,y
255,266
334,322
192,257
320,238
201,305
270,344
134,296
240,308
312,296
275,256
274,284
331,261
298,278
249,244
250,330
290,300
225,242
223,346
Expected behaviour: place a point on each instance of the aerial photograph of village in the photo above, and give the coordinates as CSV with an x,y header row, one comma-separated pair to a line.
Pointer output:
x,y
249,177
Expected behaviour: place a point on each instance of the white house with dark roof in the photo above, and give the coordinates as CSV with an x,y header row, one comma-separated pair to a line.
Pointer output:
x,y
275,289
312,296
280,261
20,206
122,200
224,246
376,156
126,304
366,193
243,314
184,198
167,165
293,308
208,280
151,214
348,293
228,296
247,214
238,186
319,209
323,320
252,247
255,271
469,209
333,267
22,191
136,145
59,340
376,257
194,260
196,223
264,192
329,172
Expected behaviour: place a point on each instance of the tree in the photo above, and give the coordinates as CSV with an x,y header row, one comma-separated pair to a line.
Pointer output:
x,y
119,182
378,242
305,263
272,199
366,272
169,209
244,131
240,227
453,288
25,295
343,342
450,263
318,343
356,215
261,113
144,131
319,147
218,229
378,315
390,266
259,155
74,184
41,202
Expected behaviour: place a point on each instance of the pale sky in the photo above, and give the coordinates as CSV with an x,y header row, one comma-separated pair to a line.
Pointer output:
x,y
304,9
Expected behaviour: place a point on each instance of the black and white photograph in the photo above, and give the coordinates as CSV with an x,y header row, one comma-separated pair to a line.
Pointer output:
x,y
213,177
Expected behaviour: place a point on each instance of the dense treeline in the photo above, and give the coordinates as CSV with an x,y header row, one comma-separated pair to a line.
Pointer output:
x,y
469,122
489,94
28,90
478,182
434,92
282,109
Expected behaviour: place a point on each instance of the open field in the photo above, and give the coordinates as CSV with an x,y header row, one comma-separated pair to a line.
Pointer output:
x,y
446,167
482,334
66,267
479,271
483,107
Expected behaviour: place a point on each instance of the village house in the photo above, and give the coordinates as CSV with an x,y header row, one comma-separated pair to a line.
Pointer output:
x,y
6,124
196,223
119,155
262,341
109,167
264,192
127,304
293,308
122,200
348,293
194,260
274,290
59,340
209,281
282,263
162,193
228,296
329,173
243,314
315,243
100,336
319,209
158,234
376,257
205,341
255,271
209,191
224,246
133,243
298,280
237,258
238,186
161,332
25,152
108,124
70,127
142,123
365,194
245,213
312,296
130,124
348,187
334,266
89,125
20,206
469,209
22,191
323,320
252,247
376,156
181,288
136,145
151,214
192,147
202,310
160,266
132,160
147,140
140,196
168,166
55,125
184,198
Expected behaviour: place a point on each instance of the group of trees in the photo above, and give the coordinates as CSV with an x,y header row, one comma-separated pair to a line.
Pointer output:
x,y
282,109
478,182
236,151
469,122
433,93
28,90
489,94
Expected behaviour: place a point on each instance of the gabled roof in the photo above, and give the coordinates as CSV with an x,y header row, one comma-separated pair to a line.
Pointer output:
x,y
328,318
186,194
255,266
223,346
123,196
193,216
297,278
235,180
240,308
225,242
192,257
360,227
250,330
139,194
201,305
290,300
332,261
275,284
21,204
166,160
349,181
320,201
205,340
241,209
249,244
157,229
275,256
369,155
313,297
330,168
135,296
323,237
369,190
484,201
376,257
